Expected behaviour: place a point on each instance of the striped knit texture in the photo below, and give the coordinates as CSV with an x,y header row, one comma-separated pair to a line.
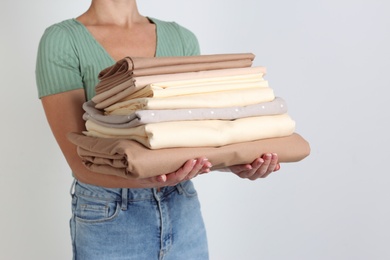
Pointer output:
x,y
70,58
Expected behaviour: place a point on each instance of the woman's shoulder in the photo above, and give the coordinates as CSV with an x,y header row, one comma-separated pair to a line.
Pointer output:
x,y
171,26
65,25
66,28
65,36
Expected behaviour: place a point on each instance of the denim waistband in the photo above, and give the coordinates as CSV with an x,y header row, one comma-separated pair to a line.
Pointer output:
x,y
120,194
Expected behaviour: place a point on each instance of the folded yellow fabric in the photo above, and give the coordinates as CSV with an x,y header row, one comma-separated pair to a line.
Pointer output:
x,y
242,97
199,132
130,159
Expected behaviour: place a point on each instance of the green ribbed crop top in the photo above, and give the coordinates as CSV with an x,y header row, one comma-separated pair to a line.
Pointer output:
x,y
69,57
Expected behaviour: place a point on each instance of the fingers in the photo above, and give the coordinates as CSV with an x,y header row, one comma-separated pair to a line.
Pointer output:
x,y
248,171
270,163
190,169
237,169
259,168
200,166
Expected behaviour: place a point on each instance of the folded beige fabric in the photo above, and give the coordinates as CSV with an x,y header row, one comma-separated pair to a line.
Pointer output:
x,y
181,68
113,90
142,63
199,132
129,159
241,97
137,63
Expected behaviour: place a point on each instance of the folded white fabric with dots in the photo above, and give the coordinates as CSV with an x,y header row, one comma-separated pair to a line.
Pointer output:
x,y
275,107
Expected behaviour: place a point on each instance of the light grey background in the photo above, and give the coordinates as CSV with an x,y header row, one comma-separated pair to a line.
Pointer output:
x,y
329,60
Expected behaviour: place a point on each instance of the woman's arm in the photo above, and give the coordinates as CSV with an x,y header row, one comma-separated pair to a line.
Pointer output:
x,y
64,114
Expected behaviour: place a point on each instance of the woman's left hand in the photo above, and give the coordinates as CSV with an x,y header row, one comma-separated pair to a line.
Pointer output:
x,y
259,168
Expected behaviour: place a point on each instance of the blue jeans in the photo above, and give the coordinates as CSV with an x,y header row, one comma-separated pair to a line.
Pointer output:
x,y
137,223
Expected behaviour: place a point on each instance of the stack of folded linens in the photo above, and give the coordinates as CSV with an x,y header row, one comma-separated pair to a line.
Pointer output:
x,y
150,115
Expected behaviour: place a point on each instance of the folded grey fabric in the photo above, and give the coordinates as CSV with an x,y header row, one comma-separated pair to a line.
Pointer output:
x,y
130,159
276,107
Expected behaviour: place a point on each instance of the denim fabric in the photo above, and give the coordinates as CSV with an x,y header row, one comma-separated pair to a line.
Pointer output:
x,y
137,223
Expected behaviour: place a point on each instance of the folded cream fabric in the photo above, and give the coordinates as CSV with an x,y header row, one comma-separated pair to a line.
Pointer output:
x,y
113,90
129,159
242,97
199,132
141,117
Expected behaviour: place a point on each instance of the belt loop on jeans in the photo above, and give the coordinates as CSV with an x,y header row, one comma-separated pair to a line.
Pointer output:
x,y
72,187
179,188
124,199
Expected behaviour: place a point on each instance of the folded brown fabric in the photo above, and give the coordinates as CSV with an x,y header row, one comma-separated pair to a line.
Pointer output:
x,y
130,159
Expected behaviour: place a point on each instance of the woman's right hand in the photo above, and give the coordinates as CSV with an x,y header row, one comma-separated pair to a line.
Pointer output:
x,y
189,170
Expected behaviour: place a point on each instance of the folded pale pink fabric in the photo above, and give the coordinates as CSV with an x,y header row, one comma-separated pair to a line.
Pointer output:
x,y
130,159
160,90
117,88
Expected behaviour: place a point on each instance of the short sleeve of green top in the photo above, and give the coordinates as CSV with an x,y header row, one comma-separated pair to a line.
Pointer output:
x,y
69,57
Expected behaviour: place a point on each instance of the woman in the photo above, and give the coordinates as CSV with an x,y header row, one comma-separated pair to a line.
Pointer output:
x,y
116,218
